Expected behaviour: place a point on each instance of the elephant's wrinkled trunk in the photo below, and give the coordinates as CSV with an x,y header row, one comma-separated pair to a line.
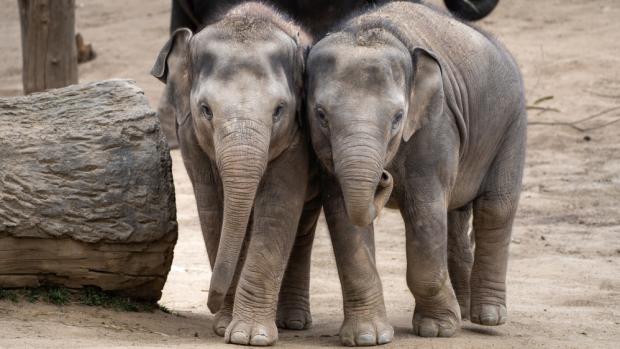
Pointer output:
x,y
366,186
241,149
384,189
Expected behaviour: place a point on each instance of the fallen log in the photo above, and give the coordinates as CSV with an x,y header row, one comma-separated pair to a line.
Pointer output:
x,y
86,191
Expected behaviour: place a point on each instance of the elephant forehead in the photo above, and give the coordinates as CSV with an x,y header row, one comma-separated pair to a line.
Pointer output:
x,y
361,68
226,57
359,88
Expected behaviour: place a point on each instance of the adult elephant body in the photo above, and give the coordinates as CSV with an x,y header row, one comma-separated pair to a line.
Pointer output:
x,y
317,16
235,90
409,106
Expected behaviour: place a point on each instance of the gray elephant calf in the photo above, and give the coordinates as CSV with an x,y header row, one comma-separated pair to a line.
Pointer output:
x,y
236,92
407,98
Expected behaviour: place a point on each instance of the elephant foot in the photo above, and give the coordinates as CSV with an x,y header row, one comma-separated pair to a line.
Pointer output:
x,y
223,317
251,332
221,321
356,331
437,316
293,310
434,326
294,317
488,314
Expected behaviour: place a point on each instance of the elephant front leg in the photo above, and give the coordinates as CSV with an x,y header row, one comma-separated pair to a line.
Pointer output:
x,y
437,312
223,317
278,207
294,300
207,192
210,214
365,321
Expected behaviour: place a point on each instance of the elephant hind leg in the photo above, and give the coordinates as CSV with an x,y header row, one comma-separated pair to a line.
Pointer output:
x,y
294,300
460,255
494,211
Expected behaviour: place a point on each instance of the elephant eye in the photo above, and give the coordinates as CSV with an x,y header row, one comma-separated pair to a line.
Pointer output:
x,y
320,114
207,112
396,120
277,113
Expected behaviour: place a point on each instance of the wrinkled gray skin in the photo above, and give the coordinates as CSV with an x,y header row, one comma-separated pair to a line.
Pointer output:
x,y
236,92
316,15
405,99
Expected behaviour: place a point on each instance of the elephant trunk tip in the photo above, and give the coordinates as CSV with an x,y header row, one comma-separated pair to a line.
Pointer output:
x,y
383,192
386,180
365,215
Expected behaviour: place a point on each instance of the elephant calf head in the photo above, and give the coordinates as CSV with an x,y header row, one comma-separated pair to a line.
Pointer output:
x,y
237,85
367,92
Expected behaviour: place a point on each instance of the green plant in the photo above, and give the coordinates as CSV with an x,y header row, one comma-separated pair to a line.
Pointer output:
x,y
90,296
10,295
164,309
57,295
93,296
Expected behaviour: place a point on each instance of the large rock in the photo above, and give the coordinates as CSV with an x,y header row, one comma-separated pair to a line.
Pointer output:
x,y
86,191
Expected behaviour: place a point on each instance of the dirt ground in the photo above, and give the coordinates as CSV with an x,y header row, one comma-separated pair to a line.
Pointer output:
x,y
564,272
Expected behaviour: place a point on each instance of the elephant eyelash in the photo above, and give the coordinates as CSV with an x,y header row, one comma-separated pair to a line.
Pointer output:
x,y
320,114
397,119
278,112
207,112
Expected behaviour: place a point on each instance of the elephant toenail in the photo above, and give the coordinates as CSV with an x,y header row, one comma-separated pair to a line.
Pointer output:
x,y
366,339
239,337
259,340
488,319
295,325
385,337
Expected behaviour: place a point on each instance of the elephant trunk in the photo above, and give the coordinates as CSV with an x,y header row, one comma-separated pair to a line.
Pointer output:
x,y
241,149
365,185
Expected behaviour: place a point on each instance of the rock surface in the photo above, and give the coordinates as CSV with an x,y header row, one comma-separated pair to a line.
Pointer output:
x,y
86,192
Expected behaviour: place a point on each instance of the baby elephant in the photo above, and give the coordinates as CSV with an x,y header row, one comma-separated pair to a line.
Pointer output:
x,y
236,90
412,108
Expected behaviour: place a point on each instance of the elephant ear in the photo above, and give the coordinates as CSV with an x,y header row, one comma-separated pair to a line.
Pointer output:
x,y
426,98
172,68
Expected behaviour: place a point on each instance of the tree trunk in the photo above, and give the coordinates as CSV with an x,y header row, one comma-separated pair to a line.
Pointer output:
x,y
86,192
49,54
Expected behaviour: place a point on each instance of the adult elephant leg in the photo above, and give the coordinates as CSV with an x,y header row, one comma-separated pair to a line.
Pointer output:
x,y
460,256
184,15
471,10
494,213
294,303
437,312
278,207
365,321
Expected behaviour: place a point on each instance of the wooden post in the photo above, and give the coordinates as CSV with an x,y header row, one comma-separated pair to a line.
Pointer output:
x,y
49,54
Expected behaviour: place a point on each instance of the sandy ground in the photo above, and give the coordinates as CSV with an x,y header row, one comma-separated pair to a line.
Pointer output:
x,y
564,273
